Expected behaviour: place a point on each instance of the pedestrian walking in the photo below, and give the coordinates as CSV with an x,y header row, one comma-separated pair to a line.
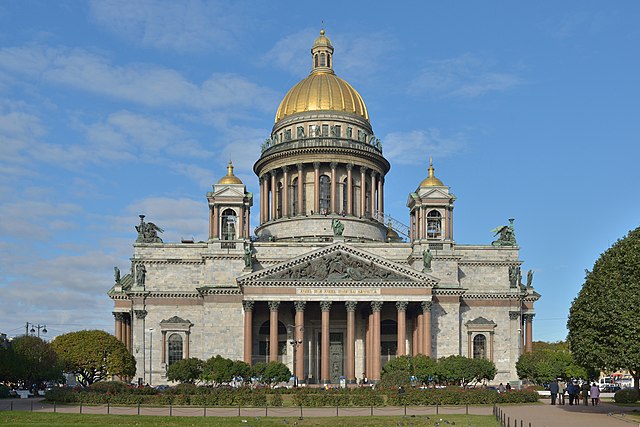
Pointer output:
x,y
553,388
561,389
585,393
595,394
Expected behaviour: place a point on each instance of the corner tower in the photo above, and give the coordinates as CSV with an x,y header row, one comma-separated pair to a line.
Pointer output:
x,y
322,161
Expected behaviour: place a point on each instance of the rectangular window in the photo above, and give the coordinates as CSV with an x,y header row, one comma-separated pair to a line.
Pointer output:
x,y
337,131
325,130
287,135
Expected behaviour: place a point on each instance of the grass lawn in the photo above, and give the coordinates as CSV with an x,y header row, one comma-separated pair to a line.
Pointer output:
x,y
51,420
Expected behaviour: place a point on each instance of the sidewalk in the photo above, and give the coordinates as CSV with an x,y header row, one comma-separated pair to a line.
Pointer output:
x,y
546,415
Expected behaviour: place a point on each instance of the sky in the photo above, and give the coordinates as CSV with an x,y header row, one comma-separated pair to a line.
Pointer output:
x,y
114,108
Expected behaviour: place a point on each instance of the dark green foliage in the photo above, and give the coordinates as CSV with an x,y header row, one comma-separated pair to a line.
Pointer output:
x,y
546,363
460,370
186,370
603,320
218,370
34,361
93,356
395,379
276,372
112,387
627,395
4,391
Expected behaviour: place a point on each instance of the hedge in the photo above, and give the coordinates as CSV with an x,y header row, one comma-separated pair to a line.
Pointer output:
x,y
304,396
627,395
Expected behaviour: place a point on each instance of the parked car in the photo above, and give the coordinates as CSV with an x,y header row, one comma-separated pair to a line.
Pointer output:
x,y
610,388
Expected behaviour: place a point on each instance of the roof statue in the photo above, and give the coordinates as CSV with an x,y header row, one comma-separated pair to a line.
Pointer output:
x,y
427,257
506,235
337,226
148,232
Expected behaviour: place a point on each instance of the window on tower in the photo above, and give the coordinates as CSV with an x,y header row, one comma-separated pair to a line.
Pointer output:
x,y
434,224
228,225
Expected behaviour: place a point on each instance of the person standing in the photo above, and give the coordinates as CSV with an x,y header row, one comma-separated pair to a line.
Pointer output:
x,y
561,389
570,392
553,388
585,393
595,394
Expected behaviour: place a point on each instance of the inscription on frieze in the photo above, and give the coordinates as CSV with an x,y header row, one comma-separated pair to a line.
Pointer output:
x,y
337,291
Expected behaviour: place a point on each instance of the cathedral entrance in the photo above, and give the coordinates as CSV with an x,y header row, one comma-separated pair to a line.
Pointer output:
x,y
336,356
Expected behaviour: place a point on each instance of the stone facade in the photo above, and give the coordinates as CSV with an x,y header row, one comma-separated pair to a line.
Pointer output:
x,y
328,284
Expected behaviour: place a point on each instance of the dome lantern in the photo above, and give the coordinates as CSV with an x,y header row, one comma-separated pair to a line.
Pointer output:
x,y
322,54
230,178
431,180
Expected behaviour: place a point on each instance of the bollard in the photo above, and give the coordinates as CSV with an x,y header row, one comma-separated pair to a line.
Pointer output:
x,y
372,410
405,409
508,421
108,408
138,408
300,411
54,407
80,406
205,412
170,410
437,410
467,409
266,409
337,410
11,406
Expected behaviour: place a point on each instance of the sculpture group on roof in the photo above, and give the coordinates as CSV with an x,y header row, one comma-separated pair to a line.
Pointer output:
x,y
148,232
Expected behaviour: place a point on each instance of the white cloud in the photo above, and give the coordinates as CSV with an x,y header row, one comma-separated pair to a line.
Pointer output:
x,y
406,148
144,84
184,26
31,219
464,76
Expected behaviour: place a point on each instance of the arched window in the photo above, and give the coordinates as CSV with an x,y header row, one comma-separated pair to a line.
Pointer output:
x,y
323,62
175,348
479,347
279,200
293,196
328,60
263,338
316,59
325,194
434,224
229,221
344,195
367,199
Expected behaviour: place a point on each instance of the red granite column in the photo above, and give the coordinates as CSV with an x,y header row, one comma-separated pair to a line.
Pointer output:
x,y
334,186
420,331
426,346
299,337
118,326
248,331
325,307
349,189
273,330
369,346
274,194
316,187
351,341
401,306
363,189
376,306
529,322
373,193
285,191
301,207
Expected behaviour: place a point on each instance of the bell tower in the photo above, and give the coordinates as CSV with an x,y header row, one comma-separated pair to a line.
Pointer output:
x,y
431,210
229,208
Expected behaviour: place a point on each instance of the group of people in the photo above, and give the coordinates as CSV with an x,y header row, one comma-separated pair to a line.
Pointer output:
x,y
574,390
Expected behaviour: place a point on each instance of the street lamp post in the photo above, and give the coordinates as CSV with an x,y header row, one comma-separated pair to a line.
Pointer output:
x,y
150,355
33,329
291,331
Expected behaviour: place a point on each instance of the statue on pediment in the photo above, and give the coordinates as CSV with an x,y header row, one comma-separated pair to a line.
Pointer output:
x,y
427,257
116,274
337,226
530,279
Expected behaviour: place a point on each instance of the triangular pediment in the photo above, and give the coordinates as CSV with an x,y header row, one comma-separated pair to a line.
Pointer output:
x,y
435,193
229,191
338,264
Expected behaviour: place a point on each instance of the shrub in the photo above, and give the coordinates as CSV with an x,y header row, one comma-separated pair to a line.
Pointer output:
x,y
112,387
627,395
4,391
394,379
275,399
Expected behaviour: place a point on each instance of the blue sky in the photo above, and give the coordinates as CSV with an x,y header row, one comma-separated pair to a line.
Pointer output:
x,y
113,108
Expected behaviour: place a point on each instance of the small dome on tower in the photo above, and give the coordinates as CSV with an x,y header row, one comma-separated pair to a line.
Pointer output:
x,y
322,40
431,180
230,178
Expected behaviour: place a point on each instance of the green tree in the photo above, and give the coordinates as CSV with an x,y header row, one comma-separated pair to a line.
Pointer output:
x,y
463,371
400,370
241,369
276,372
94,356
34,361
8,365
185,370
547,362
218,370
424,368
603,320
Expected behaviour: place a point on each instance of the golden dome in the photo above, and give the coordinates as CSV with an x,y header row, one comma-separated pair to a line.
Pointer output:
x,y
230,178
431,180
322,90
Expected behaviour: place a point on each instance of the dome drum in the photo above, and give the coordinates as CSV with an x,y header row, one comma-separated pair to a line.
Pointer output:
x,y
318,229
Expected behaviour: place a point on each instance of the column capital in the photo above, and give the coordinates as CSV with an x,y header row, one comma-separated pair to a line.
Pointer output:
x,y
374,173
513,315
274,305
265,175
402,305
529,316
284,169
351,305
376,306
363,169
426,306
316,165
333,165
325,305
299,305
274,173
299,166
140,314
248,305
349,166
